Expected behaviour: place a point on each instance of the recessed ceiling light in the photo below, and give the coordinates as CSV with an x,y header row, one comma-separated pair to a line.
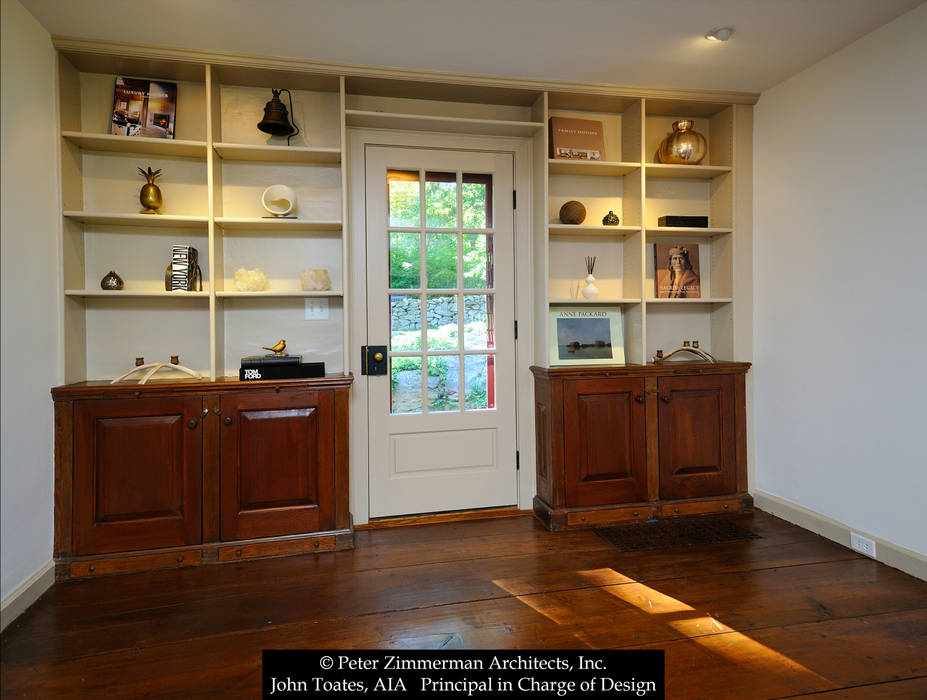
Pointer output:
x,y
720,34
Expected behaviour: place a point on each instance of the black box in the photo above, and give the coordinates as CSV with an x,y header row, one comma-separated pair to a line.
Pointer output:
x,y
684,221
265,360
301,371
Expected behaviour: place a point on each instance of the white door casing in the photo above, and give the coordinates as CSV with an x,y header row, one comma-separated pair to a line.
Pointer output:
x,y
455,448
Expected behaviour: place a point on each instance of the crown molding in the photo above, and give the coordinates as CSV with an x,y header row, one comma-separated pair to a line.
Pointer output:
x,y
73,45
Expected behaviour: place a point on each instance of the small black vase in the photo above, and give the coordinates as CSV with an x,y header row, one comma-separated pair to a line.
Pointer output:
x,y
111,281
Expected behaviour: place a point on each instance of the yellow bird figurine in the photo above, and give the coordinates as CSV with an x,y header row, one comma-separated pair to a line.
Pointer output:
x,y
278,348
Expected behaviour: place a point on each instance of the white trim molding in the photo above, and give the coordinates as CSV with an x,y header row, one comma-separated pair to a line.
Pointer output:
x,y
26,593
886,552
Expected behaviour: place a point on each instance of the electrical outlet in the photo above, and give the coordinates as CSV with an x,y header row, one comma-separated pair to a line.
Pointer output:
x,y
863,545
317,309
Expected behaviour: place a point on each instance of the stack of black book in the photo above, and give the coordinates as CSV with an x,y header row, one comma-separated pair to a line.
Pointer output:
x,y
278,367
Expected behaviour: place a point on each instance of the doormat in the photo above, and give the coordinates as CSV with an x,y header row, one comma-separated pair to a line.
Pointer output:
x,y
681,532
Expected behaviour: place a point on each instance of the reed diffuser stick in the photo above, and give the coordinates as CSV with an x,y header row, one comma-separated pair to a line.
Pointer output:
x,y
590,263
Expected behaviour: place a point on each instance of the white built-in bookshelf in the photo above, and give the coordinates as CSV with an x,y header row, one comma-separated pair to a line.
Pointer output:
x,y
640,190
217,166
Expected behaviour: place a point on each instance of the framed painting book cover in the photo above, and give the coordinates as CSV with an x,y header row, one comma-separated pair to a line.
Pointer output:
x,y
144,108
676,271
586,335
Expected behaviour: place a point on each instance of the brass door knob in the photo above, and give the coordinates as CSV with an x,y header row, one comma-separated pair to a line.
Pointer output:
x,y
378,357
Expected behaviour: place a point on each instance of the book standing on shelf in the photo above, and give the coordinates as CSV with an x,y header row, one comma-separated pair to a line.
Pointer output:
x,y
575,139
144,108
676,271
184,260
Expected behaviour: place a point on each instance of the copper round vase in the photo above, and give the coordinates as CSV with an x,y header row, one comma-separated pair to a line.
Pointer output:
x,y
684,146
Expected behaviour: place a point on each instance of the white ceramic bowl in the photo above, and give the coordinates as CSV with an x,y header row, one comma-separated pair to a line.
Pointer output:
x,y
279,200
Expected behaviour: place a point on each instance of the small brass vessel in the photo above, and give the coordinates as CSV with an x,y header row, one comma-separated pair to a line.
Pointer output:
x,y
684,146
150,196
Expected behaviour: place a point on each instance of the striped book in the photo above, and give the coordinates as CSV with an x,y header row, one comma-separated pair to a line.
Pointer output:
x,y
183,267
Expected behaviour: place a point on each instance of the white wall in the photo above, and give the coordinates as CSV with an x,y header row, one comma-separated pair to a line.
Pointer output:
x,y
841,285
29,296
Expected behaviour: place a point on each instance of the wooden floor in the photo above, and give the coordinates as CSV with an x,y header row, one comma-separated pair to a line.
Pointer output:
x,y
788,615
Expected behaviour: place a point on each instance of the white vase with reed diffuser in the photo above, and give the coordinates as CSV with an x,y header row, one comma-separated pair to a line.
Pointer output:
x,y
590,291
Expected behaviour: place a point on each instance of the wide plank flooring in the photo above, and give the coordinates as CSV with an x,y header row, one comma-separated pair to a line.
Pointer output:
x,y
787,615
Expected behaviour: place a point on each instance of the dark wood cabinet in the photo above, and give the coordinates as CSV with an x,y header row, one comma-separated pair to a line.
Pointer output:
x,y
629,443
181,473
275,450
697,440
137,474
605,460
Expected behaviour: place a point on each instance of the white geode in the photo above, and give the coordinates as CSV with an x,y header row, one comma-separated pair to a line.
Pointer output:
x,y
315,280
250,280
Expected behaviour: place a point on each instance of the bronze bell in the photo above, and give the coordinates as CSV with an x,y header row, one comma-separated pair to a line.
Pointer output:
x,y
276,119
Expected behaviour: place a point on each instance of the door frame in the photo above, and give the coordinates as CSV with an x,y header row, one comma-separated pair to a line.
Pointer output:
x,y
356,239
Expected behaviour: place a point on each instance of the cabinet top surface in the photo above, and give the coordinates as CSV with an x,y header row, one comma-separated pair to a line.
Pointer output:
x,y
129,389
664,369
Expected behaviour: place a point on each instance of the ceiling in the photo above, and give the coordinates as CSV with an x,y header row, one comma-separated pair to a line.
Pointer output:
x,y
655,43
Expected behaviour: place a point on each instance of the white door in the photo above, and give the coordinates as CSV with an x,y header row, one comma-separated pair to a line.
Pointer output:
x,y
441,297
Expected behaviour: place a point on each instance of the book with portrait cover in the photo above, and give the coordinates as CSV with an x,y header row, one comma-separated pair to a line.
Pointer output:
x,y
676,271
144,108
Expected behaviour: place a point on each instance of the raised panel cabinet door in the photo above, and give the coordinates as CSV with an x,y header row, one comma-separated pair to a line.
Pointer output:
x,y
697,441
605,453
277,464
137,474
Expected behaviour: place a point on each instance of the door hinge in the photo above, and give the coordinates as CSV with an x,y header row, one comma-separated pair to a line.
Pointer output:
x,y
514,200
516,330
517,461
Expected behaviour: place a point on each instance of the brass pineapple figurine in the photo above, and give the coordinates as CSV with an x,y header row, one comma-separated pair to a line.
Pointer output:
x,y
150,196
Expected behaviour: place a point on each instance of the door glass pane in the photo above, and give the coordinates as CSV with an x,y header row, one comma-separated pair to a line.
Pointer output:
x,y
441,200
476,193
404,260
479,329
406,384
442,322
405,323
443,381
441,260
480,379
404,198
477,261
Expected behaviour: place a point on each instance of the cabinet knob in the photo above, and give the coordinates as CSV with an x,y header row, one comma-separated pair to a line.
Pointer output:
x,y
666,398
378,357
639,398
192,423
227,420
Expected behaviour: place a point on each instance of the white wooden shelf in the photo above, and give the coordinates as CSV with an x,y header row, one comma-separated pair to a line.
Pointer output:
x,y
149,220
574,230
136,144
277,154
427,122
685,172
135,294
294,294
677,231
556,166
237,224
704,300
597,300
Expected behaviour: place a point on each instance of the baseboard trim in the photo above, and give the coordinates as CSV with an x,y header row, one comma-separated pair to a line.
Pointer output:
x,y
888,553
26,593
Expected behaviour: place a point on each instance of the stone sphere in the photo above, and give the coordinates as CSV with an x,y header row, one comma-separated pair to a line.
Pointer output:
x,y
573,212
